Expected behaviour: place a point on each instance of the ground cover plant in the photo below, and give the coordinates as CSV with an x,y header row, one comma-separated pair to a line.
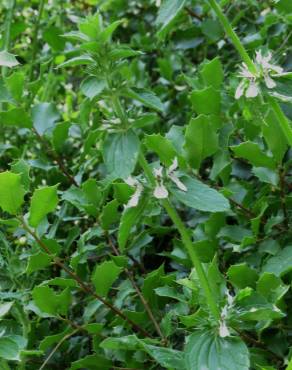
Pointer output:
x,y
145,184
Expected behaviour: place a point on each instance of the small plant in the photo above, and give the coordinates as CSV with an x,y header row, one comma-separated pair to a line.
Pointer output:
x,y
144,190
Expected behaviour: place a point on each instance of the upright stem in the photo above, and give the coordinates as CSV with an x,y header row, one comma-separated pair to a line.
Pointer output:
x,y
188,244
232,35
178,223
35,36
282,119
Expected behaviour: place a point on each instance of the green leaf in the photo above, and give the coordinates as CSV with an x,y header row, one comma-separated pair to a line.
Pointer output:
x,y
109,214
253,153
168,11
77,61
53,36
200,196
11,192
44,116
60,134
51,303
104,276
146,97
16,117
201,140
92,87
5,308
206,101
274,137
162,146
9,349
281,263
37,262
166,357
7,59
242,276
204,351
15,84
130,217
92,362
43,201
271,287
106,34
212,73
120,153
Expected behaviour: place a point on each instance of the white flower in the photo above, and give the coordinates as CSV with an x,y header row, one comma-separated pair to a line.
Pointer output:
x,y
223,330
249,86
160,191
134,200
173,177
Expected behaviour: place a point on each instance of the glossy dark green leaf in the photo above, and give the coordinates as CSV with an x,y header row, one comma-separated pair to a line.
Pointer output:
x,y
44,116
104,276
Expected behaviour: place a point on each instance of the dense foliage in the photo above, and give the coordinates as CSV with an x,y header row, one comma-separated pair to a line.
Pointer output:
x,y
145,184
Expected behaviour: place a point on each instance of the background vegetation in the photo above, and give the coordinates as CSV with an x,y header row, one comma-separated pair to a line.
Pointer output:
x,y
145,185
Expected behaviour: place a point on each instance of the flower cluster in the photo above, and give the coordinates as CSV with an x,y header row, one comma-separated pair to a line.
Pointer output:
x,y
249,86
160,190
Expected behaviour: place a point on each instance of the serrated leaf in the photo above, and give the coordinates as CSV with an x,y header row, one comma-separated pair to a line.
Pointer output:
x,y
206,101
162,146
201,140
104,276
281,263
11,192
43,201
253,153
212,73
16,117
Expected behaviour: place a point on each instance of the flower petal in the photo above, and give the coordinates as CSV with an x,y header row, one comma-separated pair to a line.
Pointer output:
x,y
158,172
223,330
160,191
240,90
270,83
177,182
173,166
252,90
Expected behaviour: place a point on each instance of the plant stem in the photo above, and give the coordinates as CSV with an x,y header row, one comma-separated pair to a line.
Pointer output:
x,y
186,241
232,35
178,223
85,287
282,119
35,36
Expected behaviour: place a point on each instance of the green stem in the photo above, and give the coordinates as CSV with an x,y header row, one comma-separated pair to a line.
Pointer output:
x,y
177,222
232,35
35,36
282,119
186,241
